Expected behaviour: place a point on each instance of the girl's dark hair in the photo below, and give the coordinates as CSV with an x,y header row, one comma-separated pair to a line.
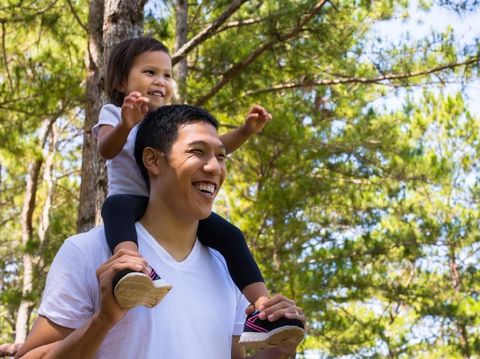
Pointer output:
x,y
121,61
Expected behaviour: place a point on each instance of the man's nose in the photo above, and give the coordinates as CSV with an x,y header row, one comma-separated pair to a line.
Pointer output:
x,y
212,165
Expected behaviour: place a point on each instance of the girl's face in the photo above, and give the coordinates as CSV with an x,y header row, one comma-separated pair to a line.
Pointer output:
x,y
151,75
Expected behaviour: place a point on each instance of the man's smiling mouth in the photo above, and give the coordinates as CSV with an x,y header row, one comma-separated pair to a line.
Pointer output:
x,y
204,187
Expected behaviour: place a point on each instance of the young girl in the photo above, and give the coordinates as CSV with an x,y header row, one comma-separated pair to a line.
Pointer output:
x,y
138,81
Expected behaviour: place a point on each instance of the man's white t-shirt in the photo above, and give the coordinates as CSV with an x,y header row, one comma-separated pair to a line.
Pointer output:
x,y
124,176
196,319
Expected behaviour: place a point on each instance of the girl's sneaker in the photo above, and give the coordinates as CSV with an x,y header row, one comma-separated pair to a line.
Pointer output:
x,y
132,289
260,334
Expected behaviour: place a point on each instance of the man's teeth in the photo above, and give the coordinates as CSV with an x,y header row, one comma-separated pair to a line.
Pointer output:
x,y
209,188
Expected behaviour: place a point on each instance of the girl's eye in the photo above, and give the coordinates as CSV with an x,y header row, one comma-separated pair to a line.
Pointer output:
x,y
149,72
168,76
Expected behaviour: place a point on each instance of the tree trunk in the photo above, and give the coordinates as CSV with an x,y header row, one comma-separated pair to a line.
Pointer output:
x,y
91,161
180,68
109,22
49,180
21,325
458,287
123,19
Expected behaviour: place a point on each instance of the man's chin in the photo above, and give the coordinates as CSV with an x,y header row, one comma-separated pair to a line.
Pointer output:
x,y
206,214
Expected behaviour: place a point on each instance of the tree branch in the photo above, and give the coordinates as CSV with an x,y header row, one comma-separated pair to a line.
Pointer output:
x,y
363,80
21,18
5,60
239,23
75,15
235,69
206,32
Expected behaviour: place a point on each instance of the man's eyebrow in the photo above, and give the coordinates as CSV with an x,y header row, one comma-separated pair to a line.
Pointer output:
x,y
203,143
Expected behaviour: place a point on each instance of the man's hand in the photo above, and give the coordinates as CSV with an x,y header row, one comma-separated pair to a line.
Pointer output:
x,y
256,120
134,109
277,307
110,311
47,339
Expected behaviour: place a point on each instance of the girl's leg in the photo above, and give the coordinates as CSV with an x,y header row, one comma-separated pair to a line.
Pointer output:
x,y
120,212
219,234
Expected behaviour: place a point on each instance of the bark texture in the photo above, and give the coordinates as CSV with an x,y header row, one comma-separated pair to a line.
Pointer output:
x,y
109,22
180,68
34,168
91,161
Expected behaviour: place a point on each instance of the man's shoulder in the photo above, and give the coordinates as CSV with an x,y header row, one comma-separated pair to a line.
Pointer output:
x,y
92,241
216,256
220,264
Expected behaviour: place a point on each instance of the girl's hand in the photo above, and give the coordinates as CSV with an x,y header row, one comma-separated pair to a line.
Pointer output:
x,y
134,109
257,118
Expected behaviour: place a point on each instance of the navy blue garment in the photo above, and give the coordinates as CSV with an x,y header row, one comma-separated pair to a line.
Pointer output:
x,y
121,211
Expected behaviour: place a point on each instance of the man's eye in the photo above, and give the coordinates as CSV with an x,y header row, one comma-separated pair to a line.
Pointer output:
x,y
221,157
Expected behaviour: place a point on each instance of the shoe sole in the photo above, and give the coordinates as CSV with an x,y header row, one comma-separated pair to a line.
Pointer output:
x,y
136,289
287,335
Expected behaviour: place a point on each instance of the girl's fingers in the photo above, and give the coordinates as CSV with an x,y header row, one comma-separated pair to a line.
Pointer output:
x,y
260,110
134,94
135,99
142,100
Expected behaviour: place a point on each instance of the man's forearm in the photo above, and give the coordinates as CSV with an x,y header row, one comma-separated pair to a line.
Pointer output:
x,y
83,343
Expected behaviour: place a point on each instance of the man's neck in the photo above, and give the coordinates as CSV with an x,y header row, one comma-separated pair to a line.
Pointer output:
x,y
175,234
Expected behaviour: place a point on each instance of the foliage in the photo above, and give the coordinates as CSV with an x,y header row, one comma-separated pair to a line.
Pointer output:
x,y
359,199
40,79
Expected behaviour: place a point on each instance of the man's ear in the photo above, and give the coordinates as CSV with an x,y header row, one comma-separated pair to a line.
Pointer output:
x,y
153,160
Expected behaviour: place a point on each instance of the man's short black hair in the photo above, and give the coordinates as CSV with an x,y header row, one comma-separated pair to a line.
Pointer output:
x,y
159,129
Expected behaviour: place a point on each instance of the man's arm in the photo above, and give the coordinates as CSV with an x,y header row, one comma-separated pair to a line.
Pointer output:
x,y
50,340
257,118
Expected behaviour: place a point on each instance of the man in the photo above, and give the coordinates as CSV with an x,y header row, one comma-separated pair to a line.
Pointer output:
x,y
178,148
